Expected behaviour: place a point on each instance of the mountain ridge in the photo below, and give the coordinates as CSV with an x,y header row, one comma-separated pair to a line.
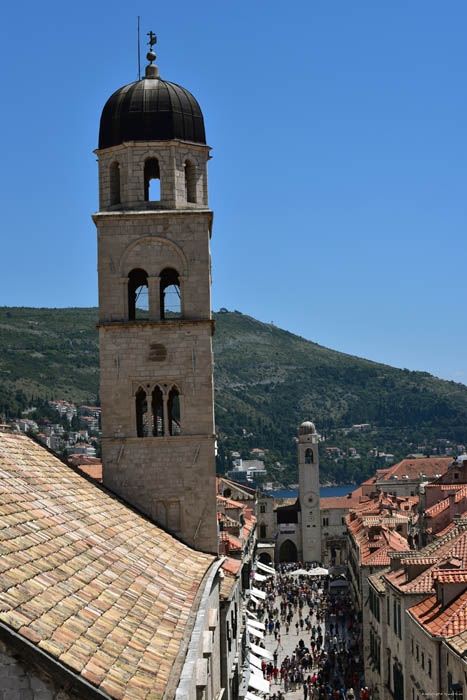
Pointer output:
x,y
267,380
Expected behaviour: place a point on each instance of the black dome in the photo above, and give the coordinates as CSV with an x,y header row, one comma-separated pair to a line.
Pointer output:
x,y
151,109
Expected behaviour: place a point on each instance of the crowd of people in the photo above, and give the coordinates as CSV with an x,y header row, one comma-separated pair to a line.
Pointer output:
x,y
325,662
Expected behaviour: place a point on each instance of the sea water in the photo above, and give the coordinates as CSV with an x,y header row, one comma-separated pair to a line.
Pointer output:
x,y
324,492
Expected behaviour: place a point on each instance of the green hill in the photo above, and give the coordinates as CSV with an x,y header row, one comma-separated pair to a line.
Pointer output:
x,y
267,381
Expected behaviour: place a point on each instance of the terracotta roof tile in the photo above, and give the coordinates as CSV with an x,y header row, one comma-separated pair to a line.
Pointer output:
x,y
439,620
87,579
430,466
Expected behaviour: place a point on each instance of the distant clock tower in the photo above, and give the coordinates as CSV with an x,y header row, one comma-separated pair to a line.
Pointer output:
x,y
308,479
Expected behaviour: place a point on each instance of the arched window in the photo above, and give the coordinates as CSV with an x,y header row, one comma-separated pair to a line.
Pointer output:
x,y
157,412
142,418
262,531
138,303
115,183
173,411
190,181
152,181
170,294
308,456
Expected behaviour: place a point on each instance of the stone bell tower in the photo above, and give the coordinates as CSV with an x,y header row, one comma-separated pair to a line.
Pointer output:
x,y
155,325
308,491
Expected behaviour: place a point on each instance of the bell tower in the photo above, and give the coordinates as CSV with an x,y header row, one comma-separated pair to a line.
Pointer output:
x,y
308,491
155,324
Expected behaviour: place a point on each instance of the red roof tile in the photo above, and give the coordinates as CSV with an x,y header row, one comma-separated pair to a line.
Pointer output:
x,y
439,620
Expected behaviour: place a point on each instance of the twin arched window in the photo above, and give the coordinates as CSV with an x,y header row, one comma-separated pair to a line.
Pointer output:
x,y
157,412
169,294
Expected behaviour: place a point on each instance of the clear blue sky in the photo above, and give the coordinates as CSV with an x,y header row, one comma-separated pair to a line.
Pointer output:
x,y
338,178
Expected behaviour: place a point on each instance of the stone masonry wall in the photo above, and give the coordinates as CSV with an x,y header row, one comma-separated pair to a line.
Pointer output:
x,y
19,680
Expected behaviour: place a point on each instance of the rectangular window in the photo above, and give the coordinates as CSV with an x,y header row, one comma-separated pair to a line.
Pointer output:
x,y
325,522
399,626
416,652
429,667
388,610
394,614
423,659
412,645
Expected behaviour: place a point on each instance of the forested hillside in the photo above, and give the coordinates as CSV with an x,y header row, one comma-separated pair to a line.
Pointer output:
x,y
267,381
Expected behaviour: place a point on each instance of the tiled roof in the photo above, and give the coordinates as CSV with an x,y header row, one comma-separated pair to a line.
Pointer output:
x,y
450,576
453,544
439,620
234,542
459,643
338,502
232,566
92,470
430,466
88,580
229,503
377,580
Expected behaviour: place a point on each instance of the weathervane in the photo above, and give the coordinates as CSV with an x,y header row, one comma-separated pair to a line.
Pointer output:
x,y
152,40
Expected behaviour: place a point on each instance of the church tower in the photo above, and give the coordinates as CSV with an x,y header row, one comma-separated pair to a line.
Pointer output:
x,y
308,491
155,324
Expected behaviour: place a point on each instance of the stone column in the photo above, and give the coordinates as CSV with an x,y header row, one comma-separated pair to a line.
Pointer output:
x,y
154,286
181,279
166,414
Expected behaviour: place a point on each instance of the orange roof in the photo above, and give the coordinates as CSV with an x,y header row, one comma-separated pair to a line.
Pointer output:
x,y
229,503
92,470
234,542
430,466
342,502
452,544
450,575
231,566
442,621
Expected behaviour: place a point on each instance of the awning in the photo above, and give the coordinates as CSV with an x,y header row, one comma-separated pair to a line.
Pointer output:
x,y
255,632
255,623
318,571
259,651
256,600
258,593
258,683
259,577
256,670
265,567
251,696
251,614
255,661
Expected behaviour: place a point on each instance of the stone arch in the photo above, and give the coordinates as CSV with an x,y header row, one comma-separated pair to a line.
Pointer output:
x,y
157,253
288,551
265,558
309,456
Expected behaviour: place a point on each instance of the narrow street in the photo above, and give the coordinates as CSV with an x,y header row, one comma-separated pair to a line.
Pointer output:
x,y
313,637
